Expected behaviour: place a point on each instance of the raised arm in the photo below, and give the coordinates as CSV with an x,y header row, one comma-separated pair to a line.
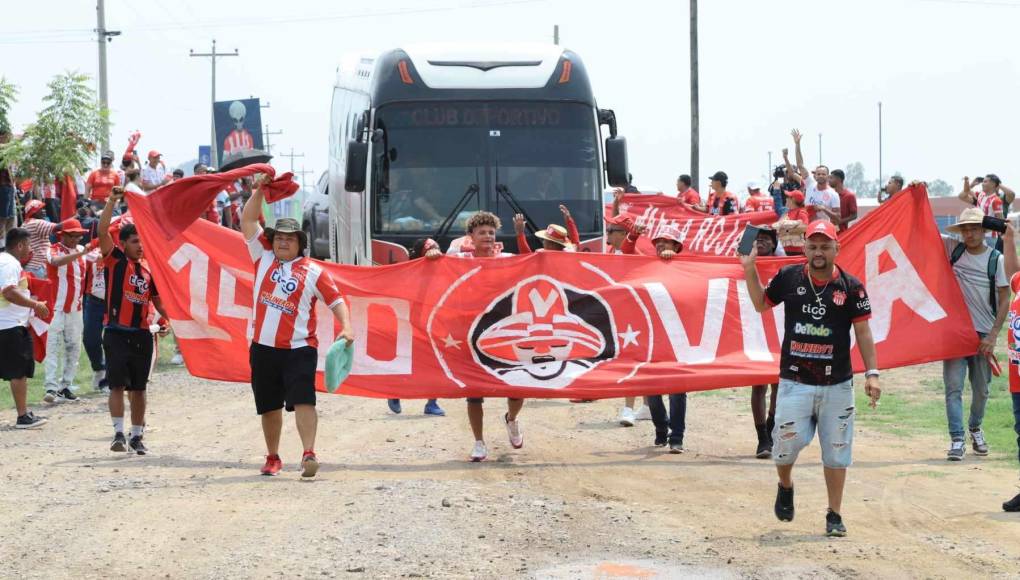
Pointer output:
x,y
754,288
966,195
105,240
252,212
568,221
800,156
522,238
1007,194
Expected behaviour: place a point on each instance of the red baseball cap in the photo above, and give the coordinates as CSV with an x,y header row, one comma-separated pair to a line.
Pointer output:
x,y
154,153
797,195
821,227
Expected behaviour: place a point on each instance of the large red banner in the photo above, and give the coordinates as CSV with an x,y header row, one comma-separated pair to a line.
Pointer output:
x,y
701,233
554,324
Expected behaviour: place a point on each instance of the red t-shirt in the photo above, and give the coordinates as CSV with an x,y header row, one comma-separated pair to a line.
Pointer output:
x,y
102,183
690,197
847,207
1013,337
760,203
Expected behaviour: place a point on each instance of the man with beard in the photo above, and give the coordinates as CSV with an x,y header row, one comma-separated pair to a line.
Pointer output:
x,y
482,229
821,304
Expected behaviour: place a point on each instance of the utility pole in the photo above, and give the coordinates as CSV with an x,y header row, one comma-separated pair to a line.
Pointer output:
x,y
292,156
303,173
213,156
102,37
556,34
694,95
265,137
819,148
880,144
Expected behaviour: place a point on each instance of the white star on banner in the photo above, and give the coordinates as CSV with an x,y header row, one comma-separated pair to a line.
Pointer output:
x,y
450,342
629,337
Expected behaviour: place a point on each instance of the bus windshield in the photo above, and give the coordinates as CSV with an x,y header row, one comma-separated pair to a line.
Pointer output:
x,y
436,160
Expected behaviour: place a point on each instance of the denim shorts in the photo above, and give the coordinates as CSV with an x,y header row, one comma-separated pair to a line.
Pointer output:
x,y
801,409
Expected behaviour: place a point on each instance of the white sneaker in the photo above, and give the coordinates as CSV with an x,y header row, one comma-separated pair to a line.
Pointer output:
x,y
643,414
52,396
513,431
627,417
177,359
479,453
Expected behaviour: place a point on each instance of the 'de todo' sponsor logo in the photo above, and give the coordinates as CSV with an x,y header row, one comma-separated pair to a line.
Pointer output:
x,y
812,330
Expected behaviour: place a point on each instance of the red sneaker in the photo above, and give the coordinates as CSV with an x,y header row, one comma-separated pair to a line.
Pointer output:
x,y
309,464
273,465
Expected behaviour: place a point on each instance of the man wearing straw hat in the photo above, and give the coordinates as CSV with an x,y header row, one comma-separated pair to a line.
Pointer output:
x,y
981,275
283,352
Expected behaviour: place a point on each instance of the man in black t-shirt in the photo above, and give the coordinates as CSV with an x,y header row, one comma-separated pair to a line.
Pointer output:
x,y
821,303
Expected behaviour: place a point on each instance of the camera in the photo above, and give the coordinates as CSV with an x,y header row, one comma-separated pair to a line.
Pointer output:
x,y
993,223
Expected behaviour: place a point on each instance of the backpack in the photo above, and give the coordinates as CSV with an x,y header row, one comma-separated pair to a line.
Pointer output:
x,y
993,265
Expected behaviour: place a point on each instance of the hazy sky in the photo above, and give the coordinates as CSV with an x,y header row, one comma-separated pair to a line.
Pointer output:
x,y
946,72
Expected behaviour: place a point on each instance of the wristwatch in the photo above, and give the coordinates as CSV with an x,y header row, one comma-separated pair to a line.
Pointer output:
x,y
872,373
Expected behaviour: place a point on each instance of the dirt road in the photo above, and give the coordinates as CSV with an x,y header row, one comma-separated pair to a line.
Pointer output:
x,y
396,498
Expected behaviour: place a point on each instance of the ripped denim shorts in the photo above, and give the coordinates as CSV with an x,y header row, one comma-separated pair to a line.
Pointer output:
x,y
801,409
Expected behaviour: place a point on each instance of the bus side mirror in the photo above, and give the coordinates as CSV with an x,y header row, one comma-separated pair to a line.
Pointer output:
x,y
357,165
616,161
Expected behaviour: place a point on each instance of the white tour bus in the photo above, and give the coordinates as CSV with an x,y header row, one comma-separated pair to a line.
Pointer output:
x,y
422,137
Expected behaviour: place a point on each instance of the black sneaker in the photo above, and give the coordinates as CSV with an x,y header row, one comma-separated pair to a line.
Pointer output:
x,y
67,395
660,440
764,450
29,421
834,527
1012,505
137,446
119,443
784,504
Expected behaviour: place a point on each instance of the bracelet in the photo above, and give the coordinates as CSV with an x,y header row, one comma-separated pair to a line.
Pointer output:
x,y
871,373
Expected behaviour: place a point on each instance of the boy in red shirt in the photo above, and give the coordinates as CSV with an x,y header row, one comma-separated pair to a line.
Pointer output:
x,y
794,223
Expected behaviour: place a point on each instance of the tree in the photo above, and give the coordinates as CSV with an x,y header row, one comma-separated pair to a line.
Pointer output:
x,y
62,139
854,176
8,95
939,188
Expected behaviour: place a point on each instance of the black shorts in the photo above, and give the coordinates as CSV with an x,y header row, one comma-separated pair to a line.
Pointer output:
x,y
282,376
17,359
128,358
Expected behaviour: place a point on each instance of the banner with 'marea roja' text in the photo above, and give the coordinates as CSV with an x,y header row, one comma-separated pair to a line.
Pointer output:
x,y
555,324
701,233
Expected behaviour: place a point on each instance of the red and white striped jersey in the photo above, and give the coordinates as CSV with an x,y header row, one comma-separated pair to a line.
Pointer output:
x,y
69,279
237,141
285,296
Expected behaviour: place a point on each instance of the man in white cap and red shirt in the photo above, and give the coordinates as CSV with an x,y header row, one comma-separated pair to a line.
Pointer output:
x,y
821,304
66,271
154,173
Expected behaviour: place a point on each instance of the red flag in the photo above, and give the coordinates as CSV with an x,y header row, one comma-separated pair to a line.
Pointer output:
x,y
68,193
613,325
40,289
180,203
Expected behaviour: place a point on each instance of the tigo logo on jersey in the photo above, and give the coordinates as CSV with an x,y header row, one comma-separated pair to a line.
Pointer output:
x,y
287,284
139,282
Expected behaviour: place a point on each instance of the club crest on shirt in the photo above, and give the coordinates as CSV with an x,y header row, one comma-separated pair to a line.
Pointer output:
x,y
839,297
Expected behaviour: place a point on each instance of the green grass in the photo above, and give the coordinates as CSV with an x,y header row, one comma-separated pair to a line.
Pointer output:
x,y
83,379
